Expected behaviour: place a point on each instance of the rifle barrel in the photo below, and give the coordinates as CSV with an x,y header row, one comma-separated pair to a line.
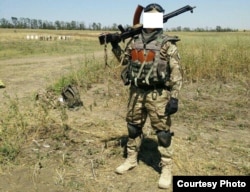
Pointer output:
x,y
177,12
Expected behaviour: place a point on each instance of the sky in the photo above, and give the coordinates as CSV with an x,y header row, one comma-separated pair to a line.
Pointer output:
x,y
208,14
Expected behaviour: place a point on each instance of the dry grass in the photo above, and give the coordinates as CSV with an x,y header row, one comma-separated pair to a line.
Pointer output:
x,y
15,45
216,56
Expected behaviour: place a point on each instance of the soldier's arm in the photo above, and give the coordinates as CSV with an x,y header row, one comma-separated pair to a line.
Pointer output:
x,y
123,56
171,53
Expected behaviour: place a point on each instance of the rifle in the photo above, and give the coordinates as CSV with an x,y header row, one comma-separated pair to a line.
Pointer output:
x,y
105,38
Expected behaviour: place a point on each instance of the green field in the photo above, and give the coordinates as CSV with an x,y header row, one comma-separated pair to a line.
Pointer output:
x,y
14,43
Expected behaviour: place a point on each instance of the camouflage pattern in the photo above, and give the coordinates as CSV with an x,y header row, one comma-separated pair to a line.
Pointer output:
x,y
168,52
143,103
151,102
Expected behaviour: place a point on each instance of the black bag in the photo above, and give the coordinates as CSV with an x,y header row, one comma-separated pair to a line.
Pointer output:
x,y
71,96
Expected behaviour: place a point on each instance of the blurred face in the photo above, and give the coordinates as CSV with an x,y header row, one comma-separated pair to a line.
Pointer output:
x,y
152,20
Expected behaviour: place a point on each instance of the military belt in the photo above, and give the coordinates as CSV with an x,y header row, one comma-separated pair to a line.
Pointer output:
x,y
151,87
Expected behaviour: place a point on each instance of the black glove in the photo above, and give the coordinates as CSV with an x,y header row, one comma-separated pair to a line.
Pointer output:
x,y
172,106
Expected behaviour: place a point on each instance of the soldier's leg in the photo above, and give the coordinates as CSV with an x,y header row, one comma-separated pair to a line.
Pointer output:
x,y
161,124
135,118
133,147
134,137
165,147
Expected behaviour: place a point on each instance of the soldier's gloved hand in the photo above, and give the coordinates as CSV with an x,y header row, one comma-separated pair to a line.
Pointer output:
x,y
171,107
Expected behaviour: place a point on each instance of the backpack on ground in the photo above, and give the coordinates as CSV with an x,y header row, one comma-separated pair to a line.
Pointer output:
x,y
71,96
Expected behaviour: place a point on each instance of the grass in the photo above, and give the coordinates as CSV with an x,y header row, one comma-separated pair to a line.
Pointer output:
x,y
215,56
15,45
211,55
18,123
214,107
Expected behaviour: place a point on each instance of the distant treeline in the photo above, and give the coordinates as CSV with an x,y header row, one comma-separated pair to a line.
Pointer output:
x,y
27,23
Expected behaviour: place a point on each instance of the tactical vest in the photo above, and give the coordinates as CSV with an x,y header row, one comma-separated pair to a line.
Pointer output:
x,y
146,67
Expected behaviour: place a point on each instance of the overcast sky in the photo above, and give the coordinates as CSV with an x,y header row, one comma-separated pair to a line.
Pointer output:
x,y
233,14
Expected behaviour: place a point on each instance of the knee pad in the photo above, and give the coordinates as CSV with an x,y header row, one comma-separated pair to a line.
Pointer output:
x,y
164,138
133,131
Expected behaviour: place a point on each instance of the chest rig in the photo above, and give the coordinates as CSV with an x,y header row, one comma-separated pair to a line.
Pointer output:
x,y
146,66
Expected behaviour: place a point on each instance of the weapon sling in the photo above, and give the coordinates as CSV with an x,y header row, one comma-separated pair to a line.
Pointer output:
x,y
105,52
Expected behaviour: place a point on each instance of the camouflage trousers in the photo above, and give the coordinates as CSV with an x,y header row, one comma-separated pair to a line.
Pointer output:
x,y
149,103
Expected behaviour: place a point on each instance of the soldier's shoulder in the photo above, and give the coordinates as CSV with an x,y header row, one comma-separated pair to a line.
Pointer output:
x,y
172,39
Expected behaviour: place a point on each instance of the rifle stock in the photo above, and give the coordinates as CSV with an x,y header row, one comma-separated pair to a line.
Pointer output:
x,y
105,38
137,14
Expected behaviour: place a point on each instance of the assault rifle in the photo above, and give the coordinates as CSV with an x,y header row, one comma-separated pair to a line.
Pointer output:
x,y
124,34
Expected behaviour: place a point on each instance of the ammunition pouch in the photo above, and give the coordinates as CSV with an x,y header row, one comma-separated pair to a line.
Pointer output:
x,y
141,74
138,56
150,73
147,67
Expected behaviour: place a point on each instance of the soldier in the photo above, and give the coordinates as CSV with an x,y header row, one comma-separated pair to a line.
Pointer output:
x,y
154,73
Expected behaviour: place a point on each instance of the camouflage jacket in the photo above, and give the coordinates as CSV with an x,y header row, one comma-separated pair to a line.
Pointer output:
x,y
166,54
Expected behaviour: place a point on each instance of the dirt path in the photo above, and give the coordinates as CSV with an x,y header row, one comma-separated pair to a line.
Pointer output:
x,y
26,75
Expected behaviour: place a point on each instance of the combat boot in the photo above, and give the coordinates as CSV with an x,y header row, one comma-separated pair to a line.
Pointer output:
x,y
133,147
166,173
129,163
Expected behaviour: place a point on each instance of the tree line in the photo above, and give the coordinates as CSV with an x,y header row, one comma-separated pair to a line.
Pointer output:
x,y
27,23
